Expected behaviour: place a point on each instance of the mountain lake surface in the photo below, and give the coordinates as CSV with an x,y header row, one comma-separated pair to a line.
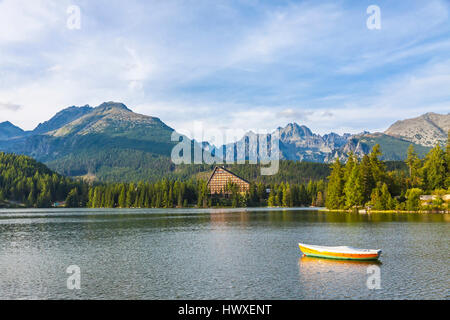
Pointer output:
x,y
219,254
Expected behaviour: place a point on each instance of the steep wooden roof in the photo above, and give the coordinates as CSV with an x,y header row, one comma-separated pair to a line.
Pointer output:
x,y
220,167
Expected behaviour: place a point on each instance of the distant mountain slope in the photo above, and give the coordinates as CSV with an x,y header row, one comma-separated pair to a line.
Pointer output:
x,y
112,143
426,130
62,118
392,148
8,130
299,143
109,142
116,120
114,164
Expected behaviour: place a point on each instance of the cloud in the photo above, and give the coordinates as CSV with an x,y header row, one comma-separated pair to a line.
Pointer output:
x,y
284,30
242,64
294,114
25,21
9,106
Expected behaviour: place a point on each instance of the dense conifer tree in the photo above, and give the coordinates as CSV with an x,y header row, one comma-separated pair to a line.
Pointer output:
x,y
353,190
433,171
335,191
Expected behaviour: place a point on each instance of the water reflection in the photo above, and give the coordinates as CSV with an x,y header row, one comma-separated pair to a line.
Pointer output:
x,y
338,279
218,254
321,264
221,218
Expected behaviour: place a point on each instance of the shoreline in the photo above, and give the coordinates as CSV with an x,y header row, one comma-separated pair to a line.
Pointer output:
x,y
363,211
319,209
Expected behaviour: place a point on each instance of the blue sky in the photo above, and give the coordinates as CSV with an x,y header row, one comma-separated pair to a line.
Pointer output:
x,y
231,64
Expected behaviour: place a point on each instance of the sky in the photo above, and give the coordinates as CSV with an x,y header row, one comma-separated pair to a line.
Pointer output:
x,y
227,64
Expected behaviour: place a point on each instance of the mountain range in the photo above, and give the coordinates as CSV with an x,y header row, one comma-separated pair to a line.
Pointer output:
x,y
108,142
112,143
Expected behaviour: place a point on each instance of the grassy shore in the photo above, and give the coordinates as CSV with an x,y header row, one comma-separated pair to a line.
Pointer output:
x,y
382,211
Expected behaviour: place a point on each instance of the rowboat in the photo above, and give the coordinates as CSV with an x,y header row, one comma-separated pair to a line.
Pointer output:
x,y
341,252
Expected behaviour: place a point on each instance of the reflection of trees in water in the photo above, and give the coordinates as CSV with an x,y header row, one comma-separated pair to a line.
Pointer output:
x,y
380,217
223,217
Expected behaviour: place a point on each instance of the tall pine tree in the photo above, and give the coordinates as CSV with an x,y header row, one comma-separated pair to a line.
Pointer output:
x,y
335,196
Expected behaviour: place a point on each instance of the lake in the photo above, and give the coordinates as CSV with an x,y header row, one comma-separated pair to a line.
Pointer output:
x,y
218,254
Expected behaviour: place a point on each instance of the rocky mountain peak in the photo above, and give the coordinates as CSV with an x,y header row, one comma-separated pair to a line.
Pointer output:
x,y
427,129
8,130
113,119
6,124
298,142
113,105
295,130
62,118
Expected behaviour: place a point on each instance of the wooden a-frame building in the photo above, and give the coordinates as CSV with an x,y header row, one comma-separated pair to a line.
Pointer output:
x,y
219,179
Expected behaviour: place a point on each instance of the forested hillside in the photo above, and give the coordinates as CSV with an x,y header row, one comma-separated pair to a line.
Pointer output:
x,y
26,182
368,183
170,193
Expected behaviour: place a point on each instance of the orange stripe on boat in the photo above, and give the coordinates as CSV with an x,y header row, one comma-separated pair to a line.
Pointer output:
x,y
338,254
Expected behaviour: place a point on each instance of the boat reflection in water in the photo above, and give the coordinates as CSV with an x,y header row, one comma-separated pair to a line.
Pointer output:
x,y
336,279
312,262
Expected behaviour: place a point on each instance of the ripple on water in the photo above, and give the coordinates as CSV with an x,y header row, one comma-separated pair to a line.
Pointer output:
x,y
222,254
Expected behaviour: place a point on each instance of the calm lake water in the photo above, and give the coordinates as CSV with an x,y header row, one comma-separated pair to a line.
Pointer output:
x,y
218,254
